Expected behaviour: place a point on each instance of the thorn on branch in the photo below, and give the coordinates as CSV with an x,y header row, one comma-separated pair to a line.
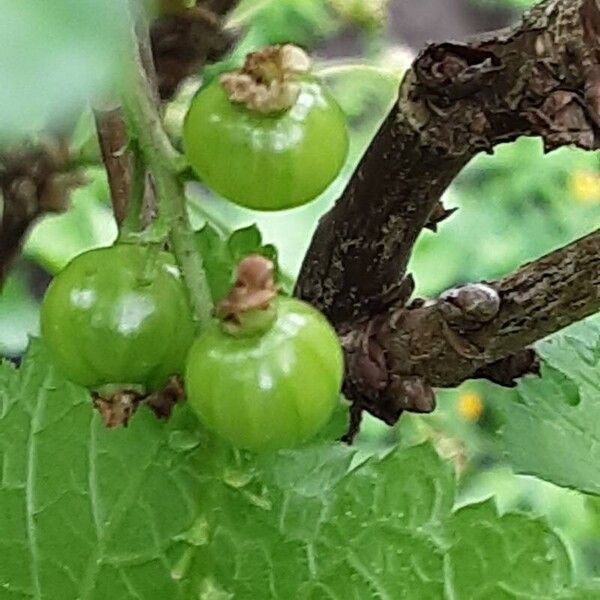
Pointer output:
x,y
439,214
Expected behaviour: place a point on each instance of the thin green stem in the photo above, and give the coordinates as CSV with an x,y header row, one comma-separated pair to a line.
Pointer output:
x,y
163,162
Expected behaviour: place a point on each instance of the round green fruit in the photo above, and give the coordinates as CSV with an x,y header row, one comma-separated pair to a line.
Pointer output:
x,y
118,315
271,390
266,161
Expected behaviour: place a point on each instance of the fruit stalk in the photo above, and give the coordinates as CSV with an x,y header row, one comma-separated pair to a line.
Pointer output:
x,y
163,161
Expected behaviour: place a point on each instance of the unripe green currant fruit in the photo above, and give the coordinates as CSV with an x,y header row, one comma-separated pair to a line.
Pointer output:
x,y
118,315
267,137
269,375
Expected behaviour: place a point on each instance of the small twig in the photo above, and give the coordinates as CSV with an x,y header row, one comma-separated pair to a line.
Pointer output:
x,y
112,135
145,123
125,170
112,132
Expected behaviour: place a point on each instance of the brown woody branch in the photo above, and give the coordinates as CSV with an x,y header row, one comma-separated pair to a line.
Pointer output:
x,y
113,138
542,77
539,78
479,330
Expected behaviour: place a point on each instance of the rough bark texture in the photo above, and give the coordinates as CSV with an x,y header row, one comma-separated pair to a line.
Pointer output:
x,y
478,330
541,77
457,100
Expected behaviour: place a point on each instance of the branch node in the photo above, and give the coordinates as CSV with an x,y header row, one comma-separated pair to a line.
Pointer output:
x,y
472,303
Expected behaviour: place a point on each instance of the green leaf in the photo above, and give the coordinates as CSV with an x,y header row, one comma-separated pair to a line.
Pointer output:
x,y
55,55
590,590
221,256
302,22
552,427
159,510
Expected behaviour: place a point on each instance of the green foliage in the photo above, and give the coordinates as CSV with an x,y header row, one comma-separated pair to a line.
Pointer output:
x,y
159,511
54,57
222,255
514,206
551,426
300,22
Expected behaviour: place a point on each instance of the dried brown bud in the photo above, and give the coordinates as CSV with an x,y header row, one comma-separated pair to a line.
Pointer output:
x,y
163,401
477,302
117,408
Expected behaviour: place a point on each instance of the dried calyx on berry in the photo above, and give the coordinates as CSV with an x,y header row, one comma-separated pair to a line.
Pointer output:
x,y
250,306
268,82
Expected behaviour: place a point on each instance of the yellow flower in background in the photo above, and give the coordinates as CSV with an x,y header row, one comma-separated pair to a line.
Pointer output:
x,y
584,186
366,13
470,406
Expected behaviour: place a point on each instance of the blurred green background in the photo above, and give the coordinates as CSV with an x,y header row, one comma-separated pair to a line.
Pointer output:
x,y
514,206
